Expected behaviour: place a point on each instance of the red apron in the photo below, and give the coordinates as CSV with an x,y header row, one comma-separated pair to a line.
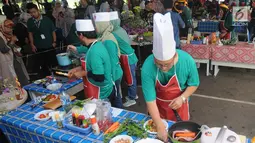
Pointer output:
x,y
165,94
90,90
126,69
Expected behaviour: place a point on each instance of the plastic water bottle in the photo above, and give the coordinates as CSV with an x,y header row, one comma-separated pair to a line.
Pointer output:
x,y
66,101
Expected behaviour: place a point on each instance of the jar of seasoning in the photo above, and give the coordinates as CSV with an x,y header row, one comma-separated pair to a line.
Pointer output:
x,y
94,125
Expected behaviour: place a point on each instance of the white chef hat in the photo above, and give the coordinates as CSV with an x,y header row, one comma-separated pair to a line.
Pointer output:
x,y
114,15
164,46
101,16
84,25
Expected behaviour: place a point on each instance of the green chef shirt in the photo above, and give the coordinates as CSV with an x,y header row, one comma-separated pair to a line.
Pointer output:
x,y
126,49
112,49
82,49
43,27
186,72
98,61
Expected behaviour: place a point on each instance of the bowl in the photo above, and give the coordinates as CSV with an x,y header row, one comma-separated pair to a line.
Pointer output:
x,y
121,137
150,132
54,86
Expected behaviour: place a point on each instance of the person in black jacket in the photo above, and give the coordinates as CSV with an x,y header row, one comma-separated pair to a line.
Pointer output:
x,y
251,25
7,9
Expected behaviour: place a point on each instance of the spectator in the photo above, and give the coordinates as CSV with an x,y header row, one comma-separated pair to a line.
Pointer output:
x,y
148,12
85,10
42,38
251,25
21,31
12,65
15,7
7,9
57,9
176,21
24,5
158,6
105,7
47,6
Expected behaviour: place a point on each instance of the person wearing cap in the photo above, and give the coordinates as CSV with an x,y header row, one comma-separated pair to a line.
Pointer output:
x,y
176,20
128,59
104,29
225,15
148,12
169,76
96,66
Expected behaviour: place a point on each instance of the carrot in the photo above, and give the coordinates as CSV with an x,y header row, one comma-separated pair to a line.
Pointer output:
x,y
188,134
113,127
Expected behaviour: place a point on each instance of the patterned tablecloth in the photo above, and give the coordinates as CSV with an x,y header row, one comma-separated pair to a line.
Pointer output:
x,y
21,127
240,53
39,88
208,26
197,51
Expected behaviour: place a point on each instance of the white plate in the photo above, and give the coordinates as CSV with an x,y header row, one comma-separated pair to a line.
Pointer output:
x,y
46,96
36,117
54,86
144,126
149,140
121,137
38,81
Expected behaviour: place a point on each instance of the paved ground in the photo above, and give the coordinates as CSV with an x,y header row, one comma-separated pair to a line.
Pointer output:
x,y
238,114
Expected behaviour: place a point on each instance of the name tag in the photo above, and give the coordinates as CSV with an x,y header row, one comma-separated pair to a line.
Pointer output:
x,y
42,36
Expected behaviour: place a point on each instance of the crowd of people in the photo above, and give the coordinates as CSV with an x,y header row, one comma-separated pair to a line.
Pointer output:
x,y
96,31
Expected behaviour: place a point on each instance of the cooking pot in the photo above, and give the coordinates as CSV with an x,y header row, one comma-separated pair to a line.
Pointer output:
x,y
63,59
185,125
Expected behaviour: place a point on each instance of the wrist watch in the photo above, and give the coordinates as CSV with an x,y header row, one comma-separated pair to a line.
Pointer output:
x,y
183,99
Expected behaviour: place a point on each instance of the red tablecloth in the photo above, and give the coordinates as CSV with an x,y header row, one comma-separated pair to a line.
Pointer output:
x,y
197,51
240,53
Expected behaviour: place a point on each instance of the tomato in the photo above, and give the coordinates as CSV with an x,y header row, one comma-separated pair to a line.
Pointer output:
x,y
42,116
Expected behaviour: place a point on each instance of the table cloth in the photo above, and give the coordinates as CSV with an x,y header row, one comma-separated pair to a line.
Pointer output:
x,y
240,53
39,88
21,127
197,51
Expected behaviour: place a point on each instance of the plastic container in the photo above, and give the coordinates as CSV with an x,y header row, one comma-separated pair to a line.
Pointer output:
x,y
68,124
94,125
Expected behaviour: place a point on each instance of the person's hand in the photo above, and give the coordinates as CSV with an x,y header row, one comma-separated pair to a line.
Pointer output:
x,y
176,103
162,132
80,74
72,48
71,73
33,48
54,44
14,39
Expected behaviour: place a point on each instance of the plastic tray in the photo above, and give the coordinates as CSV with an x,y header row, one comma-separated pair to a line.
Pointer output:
x,y
75,128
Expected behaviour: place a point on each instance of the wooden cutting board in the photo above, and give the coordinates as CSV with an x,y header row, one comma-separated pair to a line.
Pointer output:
x,y
55,104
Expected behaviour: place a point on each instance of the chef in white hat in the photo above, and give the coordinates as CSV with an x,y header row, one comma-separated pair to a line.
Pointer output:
x,y
169,76
96,66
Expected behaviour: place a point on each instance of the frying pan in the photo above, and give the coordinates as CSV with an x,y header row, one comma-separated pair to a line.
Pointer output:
x,y
182,125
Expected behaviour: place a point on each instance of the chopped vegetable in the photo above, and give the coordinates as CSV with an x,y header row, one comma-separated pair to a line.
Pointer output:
x,y
186,134
123,141
80,103
113,127
133,129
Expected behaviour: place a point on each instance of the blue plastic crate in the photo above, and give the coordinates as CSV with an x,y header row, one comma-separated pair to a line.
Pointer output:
x,y
69,126
197,42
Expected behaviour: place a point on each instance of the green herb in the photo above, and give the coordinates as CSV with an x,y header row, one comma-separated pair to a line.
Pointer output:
x,y
80,103
133,129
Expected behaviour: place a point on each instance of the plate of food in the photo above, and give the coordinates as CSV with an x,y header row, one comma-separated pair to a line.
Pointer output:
x,y
122,139
43,115
49,98
149,140
151,128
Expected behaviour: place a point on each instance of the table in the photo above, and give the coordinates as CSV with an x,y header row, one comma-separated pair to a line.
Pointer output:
x,y
200,53
7,105
241,55
71,88
20,126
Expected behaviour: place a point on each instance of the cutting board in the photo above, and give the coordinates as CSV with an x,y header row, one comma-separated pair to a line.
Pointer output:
x,y
55,104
